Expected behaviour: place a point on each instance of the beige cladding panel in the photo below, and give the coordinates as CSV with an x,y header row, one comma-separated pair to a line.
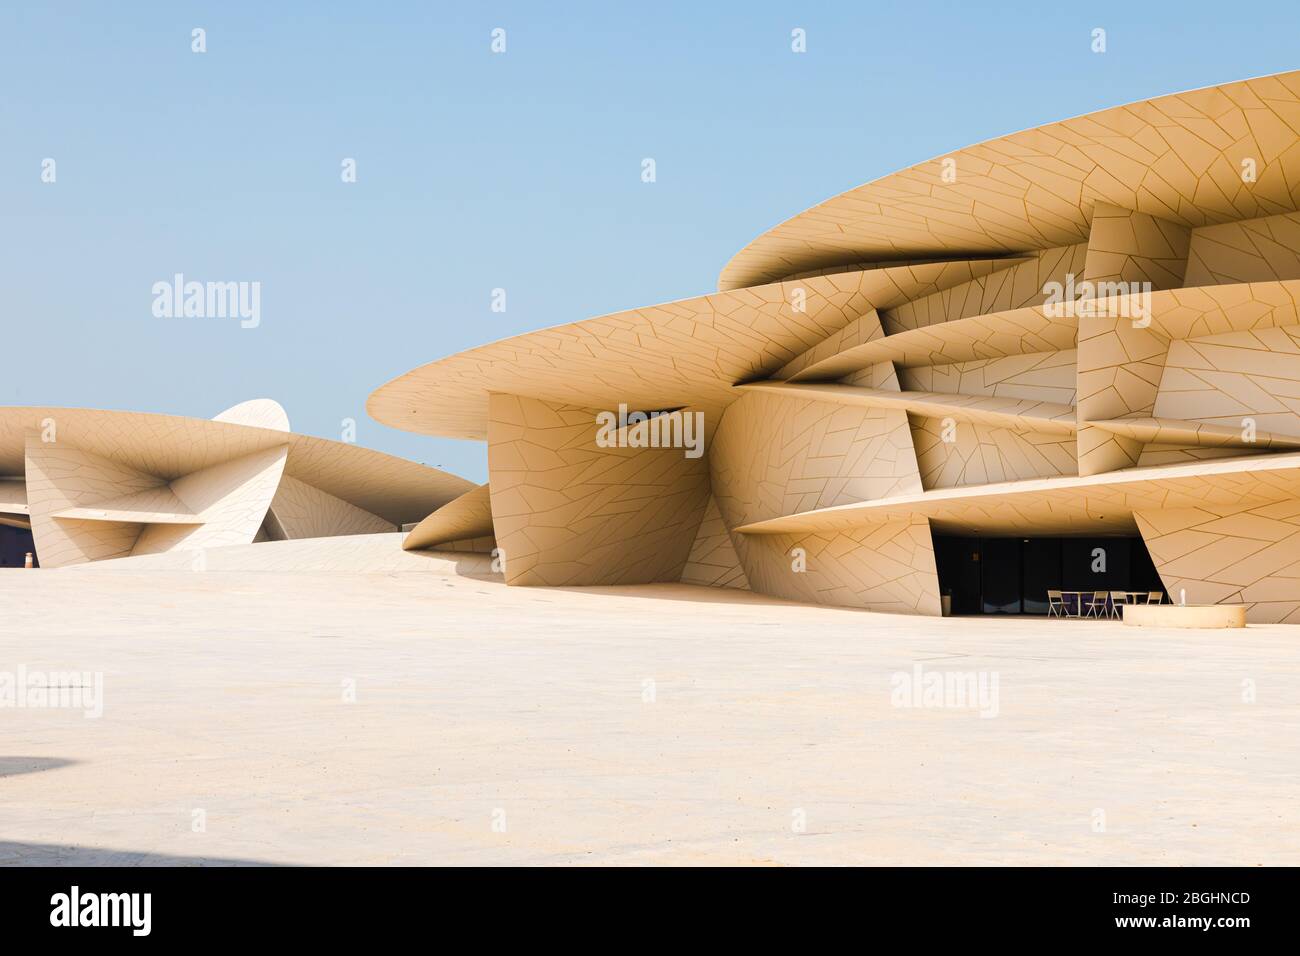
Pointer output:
x,y
1102,503
484,544
713,561
1040,376
1018,286
567,511
865,328
775,455
391,488
878,375
1249,555
881,567
1135,248
951,453
1234,379
468,517
256,413
992,410
103,484
1120,365
229,501
306,512
1180,158
1255,250
684,353
61,476
166,446
1018,332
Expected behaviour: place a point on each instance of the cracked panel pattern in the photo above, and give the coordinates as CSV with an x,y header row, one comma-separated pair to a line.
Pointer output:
x,y
886,566
1178,157
229,501
303,511
217,506
61,476
465,518
256,413
1237,555
1222,338
1020,413
1256,250
107,483
777,454
713,561
1041,376
951,453
1018,332
567,511
1019,286
681,353
909,393
1127,246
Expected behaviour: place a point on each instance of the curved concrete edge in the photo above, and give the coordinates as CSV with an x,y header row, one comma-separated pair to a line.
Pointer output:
x,y
461,519
353,554
256,413
1185,615
903,214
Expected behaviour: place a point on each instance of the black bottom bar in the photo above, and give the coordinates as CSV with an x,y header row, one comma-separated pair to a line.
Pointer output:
x,y
334,906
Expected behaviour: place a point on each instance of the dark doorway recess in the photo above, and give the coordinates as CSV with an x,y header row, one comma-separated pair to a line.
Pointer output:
x,y
14,545
989,575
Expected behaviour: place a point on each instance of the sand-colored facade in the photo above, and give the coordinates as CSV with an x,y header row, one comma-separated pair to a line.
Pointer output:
x,y
1090,327
93,485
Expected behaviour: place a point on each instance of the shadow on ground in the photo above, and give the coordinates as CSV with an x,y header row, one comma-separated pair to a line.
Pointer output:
x,y
13,766
53,854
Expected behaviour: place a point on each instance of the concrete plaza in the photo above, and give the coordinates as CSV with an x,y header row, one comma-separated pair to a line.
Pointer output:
x,y
419,716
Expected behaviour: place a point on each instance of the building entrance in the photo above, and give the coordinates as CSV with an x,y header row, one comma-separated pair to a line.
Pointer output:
x,y
1013,575
15,542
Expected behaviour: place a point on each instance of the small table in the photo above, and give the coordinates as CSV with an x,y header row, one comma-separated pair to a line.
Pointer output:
x,y
1078,602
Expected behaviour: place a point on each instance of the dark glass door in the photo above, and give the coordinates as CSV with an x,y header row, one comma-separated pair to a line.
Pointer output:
x,y
958,563
1041,560
15,543
1000,575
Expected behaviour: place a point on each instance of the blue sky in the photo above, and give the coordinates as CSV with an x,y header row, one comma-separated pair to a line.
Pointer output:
x,y
478,171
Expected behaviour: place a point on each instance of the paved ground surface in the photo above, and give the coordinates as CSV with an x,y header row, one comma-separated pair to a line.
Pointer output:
x,y
475,704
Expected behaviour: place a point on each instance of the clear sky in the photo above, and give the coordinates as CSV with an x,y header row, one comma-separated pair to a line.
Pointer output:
x,y
477,170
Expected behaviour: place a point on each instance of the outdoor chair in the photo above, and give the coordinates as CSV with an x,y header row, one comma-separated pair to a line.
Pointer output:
x,y
1056,604
1155,597
1116,599
1096,604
